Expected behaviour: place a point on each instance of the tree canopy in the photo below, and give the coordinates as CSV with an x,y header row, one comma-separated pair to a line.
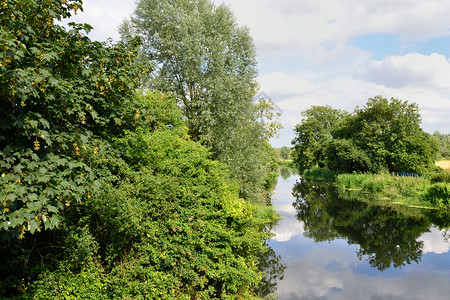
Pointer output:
x,y
209,62
313,134
384,135
444,142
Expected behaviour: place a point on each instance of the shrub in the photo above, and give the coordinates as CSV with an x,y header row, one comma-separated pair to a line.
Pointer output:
x,y
438,193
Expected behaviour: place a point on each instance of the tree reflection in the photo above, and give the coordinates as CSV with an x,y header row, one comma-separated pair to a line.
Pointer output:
x,y
273,270
385,236
285,173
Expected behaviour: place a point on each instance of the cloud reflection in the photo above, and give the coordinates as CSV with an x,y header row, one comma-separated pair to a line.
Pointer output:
x,y
434,241
331,270
311,277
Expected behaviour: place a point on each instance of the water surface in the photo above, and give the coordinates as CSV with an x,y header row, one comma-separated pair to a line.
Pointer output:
x,y
331,248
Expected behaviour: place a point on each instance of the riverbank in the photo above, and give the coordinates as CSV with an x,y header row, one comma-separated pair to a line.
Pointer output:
x,y
411,191
431,191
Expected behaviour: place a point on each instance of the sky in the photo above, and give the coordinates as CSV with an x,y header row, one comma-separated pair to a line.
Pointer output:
x,y
333,52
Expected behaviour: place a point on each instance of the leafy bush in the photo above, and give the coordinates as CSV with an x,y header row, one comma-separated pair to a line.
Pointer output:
x,y
438,193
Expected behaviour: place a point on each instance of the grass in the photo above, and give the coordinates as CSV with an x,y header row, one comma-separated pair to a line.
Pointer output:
x,y
287,163
319,174
410,191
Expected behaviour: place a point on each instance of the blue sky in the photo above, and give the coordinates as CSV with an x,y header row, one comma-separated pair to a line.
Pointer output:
x,y
334,52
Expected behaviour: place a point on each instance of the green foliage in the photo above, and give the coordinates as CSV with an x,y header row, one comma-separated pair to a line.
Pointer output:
x,y
444,145
387,136
285,153
313,134
384,135
203,57
372,183
413,191
209,62
167,223
193,234
345,157
103,194
438,193
441,176
60,93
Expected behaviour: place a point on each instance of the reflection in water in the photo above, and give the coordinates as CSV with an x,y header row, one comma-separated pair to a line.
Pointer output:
x,y
384,236
273,270
320,233
285,173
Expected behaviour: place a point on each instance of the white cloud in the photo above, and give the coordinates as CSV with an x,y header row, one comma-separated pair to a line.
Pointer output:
x,y
413,69
332,273
305,25
286,229
105,16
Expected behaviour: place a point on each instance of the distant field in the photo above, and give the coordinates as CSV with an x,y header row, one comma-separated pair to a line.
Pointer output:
x,y
444,164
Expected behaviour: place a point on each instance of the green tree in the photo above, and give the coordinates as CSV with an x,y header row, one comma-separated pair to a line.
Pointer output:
x,y
285,152
444,142
313,134
384,135
209,62
202,56
60,94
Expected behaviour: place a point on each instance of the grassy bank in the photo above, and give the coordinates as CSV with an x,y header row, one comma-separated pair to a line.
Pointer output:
x,y
432,191
286,163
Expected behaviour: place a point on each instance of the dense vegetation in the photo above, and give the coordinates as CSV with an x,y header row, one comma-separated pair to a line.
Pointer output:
x,y
413,191
104,194
357,151
444,141
209,62
384,135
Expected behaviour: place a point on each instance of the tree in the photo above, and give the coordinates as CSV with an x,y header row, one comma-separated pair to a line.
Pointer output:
x,y
60,94
388,134
384,135
313,135
444,141
210,63
285,152
203,57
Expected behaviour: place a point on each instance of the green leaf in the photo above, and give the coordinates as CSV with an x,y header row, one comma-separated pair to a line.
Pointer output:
x,y
52,209
33,226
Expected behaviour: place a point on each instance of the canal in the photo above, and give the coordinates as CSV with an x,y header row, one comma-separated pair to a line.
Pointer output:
x,y
325,247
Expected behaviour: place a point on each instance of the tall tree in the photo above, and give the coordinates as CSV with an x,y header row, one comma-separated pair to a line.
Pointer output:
x,y
206,59
313,135
202,56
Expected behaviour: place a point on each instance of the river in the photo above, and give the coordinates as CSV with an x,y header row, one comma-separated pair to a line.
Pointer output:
x,y
325,247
